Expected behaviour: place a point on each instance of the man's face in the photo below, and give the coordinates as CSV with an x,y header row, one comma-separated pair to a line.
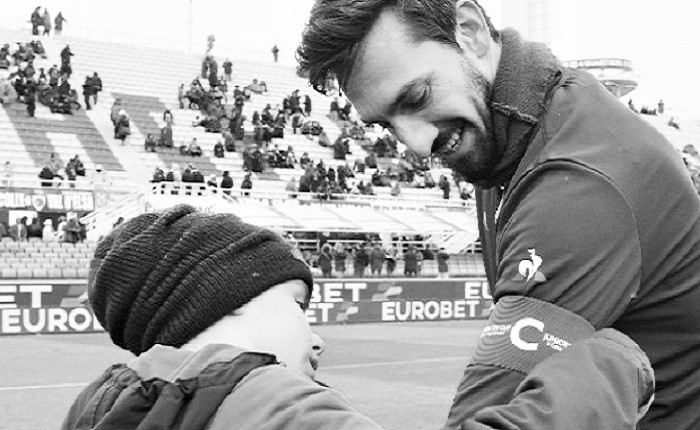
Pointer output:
x,y
277,321
432,96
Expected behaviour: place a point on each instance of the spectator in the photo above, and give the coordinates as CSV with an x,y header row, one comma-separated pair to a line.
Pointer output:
x,y
228,69
58,23
219,149
371,160
30,98
48,234
443,269
444,185
428,180
305,160
410,267
96,86
197,176
47,175
392,256
150,144
292,187
297,119
325,261
18,232
247,184
211,182
7,175
187,175
307,105
661,107
181,96
158,175
226,183
71,230
334,109
34,229
70,174
673,124
359,166
376,258
123,129
339,257
466,190
66,54
46,18
4,231
194,149
166,135
361,261
419,262
275,52
36,20
88,91
55,165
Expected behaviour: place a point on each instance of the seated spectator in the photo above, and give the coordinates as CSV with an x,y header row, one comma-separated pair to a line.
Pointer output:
x,y
324,141
150,144
291,160
256,162
359,166
55,165
187,175
673,124
123,129
304,161
257,88
194,149
211,182
229,141
158,175
247,184
466,190
46,174
226,183
197,176
371,160
219,149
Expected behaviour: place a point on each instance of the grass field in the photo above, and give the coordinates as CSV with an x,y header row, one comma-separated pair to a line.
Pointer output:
x,y
403,375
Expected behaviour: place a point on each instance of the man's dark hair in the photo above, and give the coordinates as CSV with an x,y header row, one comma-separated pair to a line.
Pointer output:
x,y
331,42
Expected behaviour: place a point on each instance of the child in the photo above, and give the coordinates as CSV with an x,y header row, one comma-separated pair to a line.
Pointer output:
x,y
213,308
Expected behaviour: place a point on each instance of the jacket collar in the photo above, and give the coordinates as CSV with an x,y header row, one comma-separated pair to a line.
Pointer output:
x,y
526,73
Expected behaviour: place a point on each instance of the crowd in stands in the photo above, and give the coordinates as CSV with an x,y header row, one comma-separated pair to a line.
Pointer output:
x,y
69,229
26,83
55,174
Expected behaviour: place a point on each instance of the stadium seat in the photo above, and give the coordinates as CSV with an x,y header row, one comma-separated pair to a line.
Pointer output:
x,y
13,246
40,273
8,273
34,240
67,245
55,273
6,240
83,272
69,273
23,272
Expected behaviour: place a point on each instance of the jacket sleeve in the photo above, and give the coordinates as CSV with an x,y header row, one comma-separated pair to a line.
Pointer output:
x,y
603,382
583,256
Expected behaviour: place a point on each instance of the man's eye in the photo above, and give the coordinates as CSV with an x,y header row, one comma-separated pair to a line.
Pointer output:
x,y
418,100
302,305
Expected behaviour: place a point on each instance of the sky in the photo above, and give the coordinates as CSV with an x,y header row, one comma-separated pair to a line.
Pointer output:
x,y
656,36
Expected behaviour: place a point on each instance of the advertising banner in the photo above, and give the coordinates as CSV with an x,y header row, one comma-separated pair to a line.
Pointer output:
x,y
31,306
47,200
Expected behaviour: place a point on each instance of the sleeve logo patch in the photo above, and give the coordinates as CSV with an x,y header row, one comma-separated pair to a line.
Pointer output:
x,y
516,333
529,268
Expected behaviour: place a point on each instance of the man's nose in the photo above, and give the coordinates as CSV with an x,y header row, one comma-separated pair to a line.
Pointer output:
x,y
417,135
317,344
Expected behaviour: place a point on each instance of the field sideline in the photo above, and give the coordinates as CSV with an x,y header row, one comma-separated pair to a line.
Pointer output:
x,y
403,375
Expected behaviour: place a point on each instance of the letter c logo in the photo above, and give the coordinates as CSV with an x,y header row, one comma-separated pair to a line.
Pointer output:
x,y
515,333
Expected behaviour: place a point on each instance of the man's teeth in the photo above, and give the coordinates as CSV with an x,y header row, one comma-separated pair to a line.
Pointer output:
x,y
452,143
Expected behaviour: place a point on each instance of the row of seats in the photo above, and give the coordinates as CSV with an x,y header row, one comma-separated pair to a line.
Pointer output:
x,y
44,273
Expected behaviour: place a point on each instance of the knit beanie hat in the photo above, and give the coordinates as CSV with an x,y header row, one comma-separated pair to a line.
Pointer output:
x,y
165,277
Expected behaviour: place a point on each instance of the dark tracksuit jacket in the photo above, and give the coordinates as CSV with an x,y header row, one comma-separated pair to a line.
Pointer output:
x,y
224,387
600,218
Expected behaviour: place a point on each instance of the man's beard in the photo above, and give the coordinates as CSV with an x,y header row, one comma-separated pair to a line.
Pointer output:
x,y
478,163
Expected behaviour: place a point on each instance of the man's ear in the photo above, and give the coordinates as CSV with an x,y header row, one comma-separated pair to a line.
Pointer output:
x,y
472,32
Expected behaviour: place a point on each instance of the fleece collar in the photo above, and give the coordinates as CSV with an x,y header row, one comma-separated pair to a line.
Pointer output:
x,y
526,73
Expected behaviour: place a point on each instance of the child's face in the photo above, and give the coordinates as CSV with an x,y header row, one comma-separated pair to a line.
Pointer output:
x,y
278,325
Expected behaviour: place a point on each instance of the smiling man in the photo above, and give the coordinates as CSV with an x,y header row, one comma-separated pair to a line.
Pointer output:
x,y
587,216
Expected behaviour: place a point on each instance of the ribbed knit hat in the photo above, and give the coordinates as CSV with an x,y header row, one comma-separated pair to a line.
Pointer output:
x,y
165,277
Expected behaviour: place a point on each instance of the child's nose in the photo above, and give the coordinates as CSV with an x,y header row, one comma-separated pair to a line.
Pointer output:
x,y
317,344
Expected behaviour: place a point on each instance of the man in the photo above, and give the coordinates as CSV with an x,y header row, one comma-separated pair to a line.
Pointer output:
x,y
569,219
